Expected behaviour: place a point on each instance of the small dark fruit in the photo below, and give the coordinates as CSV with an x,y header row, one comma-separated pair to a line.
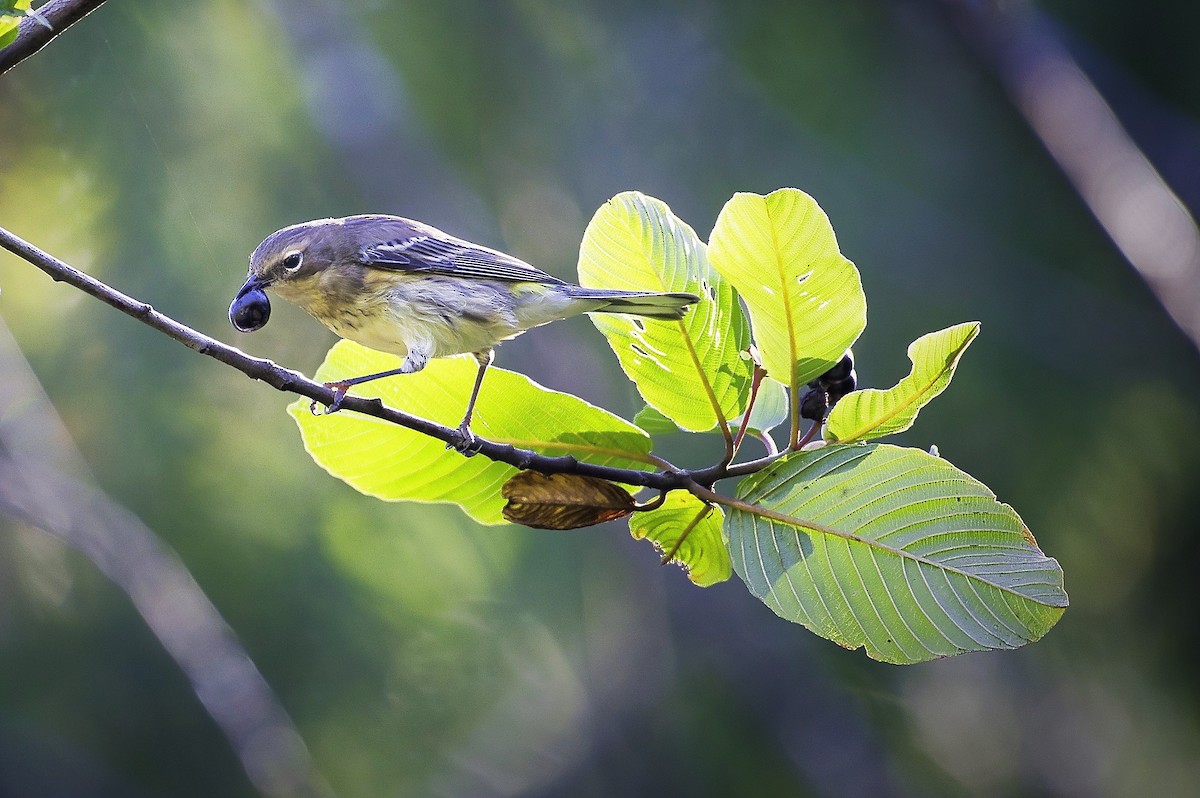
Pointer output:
x,y
840,371
250,311
842,387
814,405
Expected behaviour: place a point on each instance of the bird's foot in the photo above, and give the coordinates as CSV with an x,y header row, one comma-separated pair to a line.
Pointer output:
x,y
339,393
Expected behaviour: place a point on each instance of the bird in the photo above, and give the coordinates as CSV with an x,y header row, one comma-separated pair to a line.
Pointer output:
x,y
404,287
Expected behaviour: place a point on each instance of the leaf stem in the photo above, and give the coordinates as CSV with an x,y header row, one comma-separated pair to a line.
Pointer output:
x,y
755,381
712,497
708,390
713,474
653,504
809,434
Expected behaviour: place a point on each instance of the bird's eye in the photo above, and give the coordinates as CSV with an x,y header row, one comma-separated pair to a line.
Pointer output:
x,y
292,262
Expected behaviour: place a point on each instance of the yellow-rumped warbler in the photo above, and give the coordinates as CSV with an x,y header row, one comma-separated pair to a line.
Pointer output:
x,y
409,289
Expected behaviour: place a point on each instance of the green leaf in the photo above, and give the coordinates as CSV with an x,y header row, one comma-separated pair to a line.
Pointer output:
x,y
770,407
397,464
689,531
805,299
872,413
769,411
895,550
655,422
692,371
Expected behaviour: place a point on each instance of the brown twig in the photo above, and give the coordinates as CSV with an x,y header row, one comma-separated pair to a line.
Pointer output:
x,y
1141,214
45,482
182,618
36,32
755,383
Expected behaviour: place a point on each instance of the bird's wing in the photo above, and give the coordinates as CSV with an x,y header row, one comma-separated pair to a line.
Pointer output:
x,y
433,252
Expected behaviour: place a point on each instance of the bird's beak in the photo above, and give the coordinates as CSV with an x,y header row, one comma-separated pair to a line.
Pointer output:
x,y
251,309
253,283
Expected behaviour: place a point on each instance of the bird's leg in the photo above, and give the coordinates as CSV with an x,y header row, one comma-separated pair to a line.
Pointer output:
x,y
467,443
412,364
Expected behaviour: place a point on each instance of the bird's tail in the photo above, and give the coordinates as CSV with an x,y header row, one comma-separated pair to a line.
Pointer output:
x,y
637,303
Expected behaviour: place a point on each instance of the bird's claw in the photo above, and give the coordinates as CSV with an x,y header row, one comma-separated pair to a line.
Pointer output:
x,y
339,393
467,444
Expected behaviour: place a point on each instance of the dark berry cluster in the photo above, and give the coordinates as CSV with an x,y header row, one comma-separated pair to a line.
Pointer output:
x,y
824,392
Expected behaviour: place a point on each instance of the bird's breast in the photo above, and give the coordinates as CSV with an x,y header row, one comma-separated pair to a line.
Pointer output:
x,y
423,316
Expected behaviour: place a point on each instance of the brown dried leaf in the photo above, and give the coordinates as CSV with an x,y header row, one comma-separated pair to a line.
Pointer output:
x,y
563,501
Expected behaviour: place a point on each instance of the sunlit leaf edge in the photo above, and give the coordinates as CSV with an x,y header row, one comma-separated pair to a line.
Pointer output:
x,y
794,348
703,554
781,533
873,413
692,371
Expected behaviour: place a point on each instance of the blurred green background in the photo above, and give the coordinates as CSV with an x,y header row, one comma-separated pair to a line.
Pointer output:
x,y
155,144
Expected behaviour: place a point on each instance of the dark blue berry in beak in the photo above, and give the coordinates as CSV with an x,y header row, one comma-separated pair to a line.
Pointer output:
x,y
250,309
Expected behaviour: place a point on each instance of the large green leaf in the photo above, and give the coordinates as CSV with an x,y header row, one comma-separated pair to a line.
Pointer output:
x,y
805,299
693,371
690,531
398,464
895,550
873,413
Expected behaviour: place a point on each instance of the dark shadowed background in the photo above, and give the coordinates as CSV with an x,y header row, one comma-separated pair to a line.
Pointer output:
x,y
154,144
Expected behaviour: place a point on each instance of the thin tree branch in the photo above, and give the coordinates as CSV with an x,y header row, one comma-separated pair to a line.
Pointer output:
x,y
45,482
35,32
1141,214
185,622
286,380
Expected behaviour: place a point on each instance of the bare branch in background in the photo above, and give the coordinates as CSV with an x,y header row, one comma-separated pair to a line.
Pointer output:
x,y
36,32
1141,214
160,587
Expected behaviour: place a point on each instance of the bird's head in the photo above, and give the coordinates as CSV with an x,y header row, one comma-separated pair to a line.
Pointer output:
x,y
290,262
